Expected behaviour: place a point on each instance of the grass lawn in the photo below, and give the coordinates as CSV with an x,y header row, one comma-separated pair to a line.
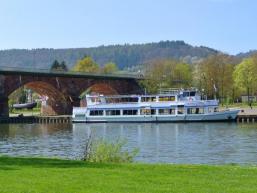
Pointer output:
x,y
25,112
53,175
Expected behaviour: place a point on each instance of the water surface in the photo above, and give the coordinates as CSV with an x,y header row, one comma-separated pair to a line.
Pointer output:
x,y
191,143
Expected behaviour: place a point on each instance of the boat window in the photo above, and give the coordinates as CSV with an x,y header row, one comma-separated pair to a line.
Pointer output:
x,y
112,112
148,99
128,100
166,98
153,111
79,115
95,99
96,112
210,109
201,110
192,93
186,94
145,111
122,100
216,109
195,111
180,109
166,111
130,112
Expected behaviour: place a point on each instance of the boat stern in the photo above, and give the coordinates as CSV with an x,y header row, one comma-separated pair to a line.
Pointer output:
x,y
79,114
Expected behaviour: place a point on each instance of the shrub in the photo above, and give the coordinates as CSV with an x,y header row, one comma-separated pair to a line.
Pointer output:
x,y
102,150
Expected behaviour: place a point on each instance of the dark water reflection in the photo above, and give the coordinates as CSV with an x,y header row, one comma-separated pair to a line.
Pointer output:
x,y
212,143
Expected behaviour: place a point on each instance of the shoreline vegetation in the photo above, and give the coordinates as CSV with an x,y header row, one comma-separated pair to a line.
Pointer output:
x,y
18,174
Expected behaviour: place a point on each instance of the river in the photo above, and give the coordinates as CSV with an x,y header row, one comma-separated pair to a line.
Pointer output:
x,y
183,143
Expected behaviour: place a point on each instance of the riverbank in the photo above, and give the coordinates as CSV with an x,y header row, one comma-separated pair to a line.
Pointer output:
x,y
25,112
54,175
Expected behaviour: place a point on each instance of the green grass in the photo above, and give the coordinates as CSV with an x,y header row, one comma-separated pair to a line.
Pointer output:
x,y
53,175
241,105
25,112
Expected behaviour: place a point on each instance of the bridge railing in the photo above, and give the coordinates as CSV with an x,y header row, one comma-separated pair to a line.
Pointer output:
x,y
8,69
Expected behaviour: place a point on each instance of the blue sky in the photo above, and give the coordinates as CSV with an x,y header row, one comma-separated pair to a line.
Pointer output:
x,y
226,25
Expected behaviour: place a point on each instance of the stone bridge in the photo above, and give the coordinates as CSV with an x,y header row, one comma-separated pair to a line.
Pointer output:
x,y
63,89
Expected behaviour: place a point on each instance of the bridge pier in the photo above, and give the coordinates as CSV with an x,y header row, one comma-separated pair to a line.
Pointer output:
x,y
4,107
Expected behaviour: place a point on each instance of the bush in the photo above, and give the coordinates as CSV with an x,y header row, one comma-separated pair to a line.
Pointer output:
x,y
101,150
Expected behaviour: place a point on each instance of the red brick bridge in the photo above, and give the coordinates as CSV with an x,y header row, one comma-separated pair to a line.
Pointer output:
x,y
63,89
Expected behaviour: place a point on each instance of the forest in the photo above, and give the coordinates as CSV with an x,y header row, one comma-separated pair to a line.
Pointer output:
x,y
126,56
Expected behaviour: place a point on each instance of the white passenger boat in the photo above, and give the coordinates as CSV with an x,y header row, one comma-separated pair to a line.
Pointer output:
x,y
174,106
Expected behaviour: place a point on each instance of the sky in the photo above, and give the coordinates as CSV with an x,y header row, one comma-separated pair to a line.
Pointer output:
x,y
227,25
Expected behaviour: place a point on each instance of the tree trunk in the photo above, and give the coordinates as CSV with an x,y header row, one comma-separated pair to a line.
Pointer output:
x,y
248,95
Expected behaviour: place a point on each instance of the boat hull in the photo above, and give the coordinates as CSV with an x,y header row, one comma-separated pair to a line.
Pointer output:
x,y
25,105
229,115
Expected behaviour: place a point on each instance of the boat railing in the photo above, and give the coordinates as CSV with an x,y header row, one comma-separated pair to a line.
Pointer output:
x,y
173,91
176,90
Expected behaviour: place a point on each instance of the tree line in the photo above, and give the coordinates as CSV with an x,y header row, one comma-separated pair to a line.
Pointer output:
x,y
86,64
218,76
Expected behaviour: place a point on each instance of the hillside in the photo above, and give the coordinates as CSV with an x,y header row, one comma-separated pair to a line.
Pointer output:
x,y
125,56
246,54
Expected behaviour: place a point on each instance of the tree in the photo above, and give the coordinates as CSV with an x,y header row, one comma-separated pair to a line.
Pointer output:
x,y
56,66
18,96
86,64
245,76
183,74
64,66
109,68
214,76
167,73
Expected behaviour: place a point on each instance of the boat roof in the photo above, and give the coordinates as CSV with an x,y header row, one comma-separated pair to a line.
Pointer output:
x,y
127,96
153,105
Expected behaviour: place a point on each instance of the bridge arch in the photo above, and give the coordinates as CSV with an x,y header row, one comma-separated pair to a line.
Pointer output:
x,y
55,104
99,88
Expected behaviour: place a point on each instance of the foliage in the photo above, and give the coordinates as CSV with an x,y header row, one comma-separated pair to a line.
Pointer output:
x,y
87,64
183,75
245,76
18,96
104,151
166,74
109,68
56,66
54,175
214,76
26,112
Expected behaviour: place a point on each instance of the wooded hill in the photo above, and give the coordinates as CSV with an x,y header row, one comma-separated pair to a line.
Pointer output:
x,y
125,56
